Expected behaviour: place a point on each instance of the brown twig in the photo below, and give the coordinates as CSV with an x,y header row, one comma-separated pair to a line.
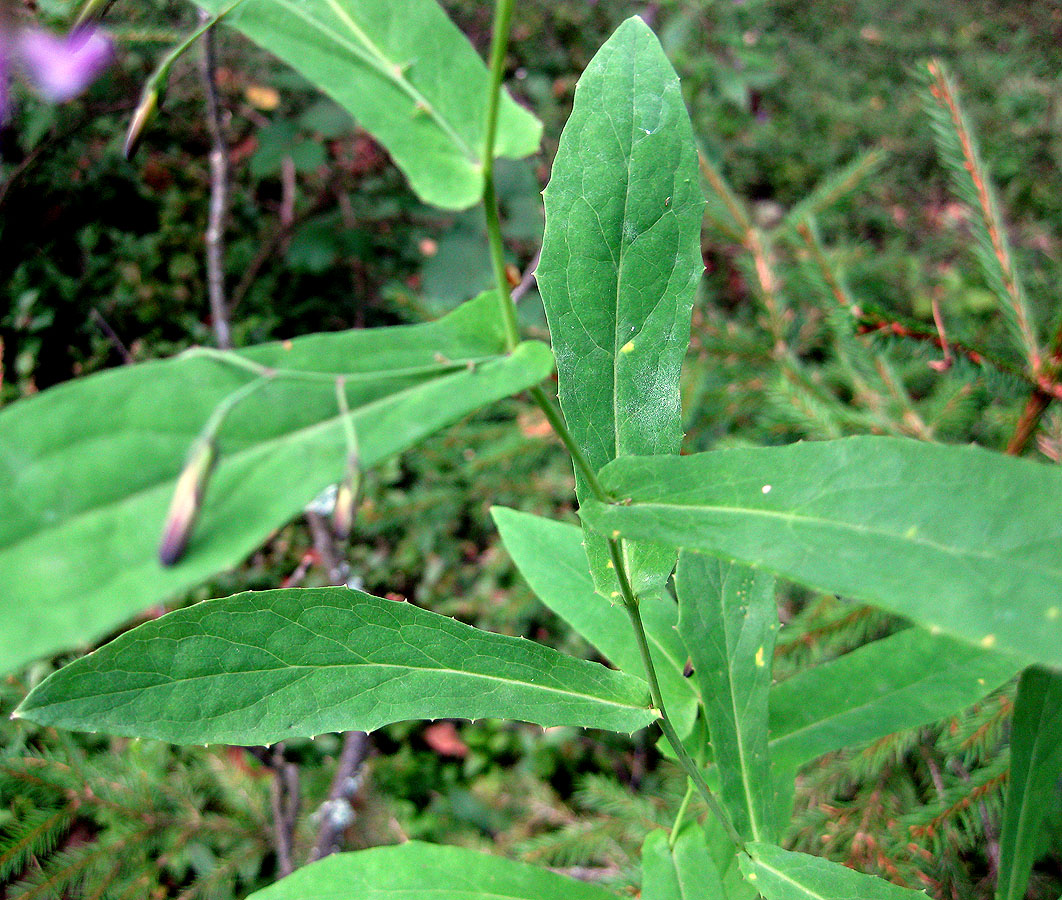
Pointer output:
x,y
527,279
336,812
269,246
1029,420
111,335
219,192
941,365
284,801
733,206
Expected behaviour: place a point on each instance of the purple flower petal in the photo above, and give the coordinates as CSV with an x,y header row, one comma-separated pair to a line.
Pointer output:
x,y
62,67
5,66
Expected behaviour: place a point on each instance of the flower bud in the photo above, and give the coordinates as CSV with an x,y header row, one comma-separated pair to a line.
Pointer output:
x,y
143,116
91,11
187,500
347,498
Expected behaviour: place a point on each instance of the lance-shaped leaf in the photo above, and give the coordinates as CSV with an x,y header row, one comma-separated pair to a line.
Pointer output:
x,y
620,262
551,557
259,667
87,469
956,538
408,76
783,875
682,872
1035,769
413,870
899,682
729,621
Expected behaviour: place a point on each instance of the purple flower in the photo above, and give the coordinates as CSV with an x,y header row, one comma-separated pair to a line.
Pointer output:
x,y
62,67
5,64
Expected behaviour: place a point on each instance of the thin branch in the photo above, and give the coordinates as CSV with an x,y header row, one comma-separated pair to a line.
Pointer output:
x,y
284,802
336,812
943,92
941,365
324,543
1029,420
272,245
528,278
219,192
111,335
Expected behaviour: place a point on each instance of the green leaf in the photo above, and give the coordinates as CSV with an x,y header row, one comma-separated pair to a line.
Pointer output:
x,y
783,875
729,621
620,262
413,869
408,76
259,667
1035,767
682,872
551,557
956,538
87,469
902,681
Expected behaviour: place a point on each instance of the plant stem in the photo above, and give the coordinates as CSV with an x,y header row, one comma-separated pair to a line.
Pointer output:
x,y
681,814
214,237
560,428
503,13
692,769
503,10
348,423
249,365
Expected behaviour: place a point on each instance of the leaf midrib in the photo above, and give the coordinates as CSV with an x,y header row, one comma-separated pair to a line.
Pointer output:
x,y
373,56
841,525
780,739
172,682
232,458
808,892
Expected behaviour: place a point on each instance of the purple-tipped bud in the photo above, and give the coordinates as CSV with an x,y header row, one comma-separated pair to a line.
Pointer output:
x,y
91,11
143,115
347,498
187,499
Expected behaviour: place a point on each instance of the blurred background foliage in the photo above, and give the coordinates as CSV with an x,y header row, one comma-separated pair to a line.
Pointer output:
x,y
800,105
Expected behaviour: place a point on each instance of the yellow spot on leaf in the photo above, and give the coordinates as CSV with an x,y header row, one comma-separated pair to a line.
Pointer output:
x,y
628,347
1052,612
988,641
759,657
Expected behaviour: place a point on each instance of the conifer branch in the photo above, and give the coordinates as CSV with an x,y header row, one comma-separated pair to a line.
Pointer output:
x,y
958,150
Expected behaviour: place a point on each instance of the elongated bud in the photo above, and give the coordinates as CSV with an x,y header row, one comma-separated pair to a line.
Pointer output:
x,y
347,498
143,116
91,11
187,500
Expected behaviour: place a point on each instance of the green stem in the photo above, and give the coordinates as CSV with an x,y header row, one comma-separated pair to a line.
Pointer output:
x,y
686,761
227,404
503,13
681,814
163,71
348,422
249,365
503,10
560,428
